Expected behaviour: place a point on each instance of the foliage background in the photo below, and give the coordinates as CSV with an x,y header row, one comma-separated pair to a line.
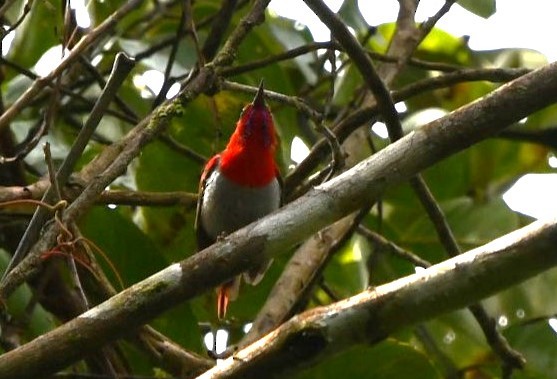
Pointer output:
x,y
141,240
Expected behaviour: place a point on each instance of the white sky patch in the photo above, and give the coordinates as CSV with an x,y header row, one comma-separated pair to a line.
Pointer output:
x,y
7,41
49,60
401,107
149,83
209,340
222,339
553,324
81,14
247,327
298,150
534,195
380,129
419,270
522,26
96,59
173,90
296,10
378,12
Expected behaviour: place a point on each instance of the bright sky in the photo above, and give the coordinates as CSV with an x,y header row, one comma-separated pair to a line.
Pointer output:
x,y
528,24
519,24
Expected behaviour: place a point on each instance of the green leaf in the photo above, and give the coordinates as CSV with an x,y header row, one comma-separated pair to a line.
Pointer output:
x,y
482,8
350,13
346,273
459,338
538,343
389,359
292,35
133,254
443,47
36,320
40,31
525,301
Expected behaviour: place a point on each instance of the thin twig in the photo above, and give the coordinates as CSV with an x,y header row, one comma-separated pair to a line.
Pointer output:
x,y
140,198
383,243
361,116
300,275
364,64
219,25
26,9
293,53
129,113
182,149
227,54
58,197
180,32
293,101
52,173
65,90
15,109
115,159
122,66
337,156
428,25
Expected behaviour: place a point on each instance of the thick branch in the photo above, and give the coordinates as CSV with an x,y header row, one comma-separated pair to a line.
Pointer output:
x,y
292,224
372,315
113,161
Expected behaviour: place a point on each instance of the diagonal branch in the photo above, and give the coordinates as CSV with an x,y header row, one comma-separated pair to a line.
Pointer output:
x,y
350,123
115,158
73,55
369,317
122,66
296,221
364,64
510,358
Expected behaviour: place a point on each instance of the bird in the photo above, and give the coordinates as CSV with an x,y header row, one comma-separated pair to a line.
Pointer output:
x,y
238,186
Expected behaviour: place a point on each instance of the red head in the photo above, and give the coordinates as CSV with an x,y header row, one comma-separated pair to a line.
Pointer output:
x,y
248,159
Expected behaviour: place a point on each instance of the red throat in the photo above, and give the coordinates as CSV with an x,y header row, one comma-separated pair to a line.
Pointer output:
x,y
249,156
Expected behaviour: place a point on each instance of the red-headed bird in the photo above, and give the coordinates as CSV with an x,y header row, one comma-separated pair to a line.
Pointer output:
x,y
239,186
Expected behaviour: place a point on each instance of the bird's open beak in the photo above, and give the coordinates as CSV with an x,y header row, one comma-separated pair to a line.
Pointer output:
x,y
259,99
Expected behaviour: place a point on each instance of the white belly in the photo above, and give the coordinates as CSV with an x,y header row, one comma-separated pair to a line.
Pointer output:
x,y
228,207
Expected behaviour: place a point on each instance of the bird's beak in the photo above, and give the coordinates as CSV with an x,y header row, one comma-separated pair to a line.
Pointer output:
x,y
259,99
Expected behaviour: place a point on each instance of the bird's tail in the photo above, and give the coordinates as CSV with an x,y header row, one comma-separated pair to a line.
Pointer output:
x,y
225,294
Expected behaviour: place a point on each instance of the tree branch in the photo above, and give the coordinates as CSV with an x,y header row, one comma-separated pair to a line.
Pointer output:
x,y
114,160
369,317
296,221
74,54
122,66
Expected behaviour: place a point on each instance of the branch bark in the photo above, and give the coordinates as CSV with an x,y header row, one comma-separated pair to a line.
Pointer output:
x,y
372,315
295,222
113,161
